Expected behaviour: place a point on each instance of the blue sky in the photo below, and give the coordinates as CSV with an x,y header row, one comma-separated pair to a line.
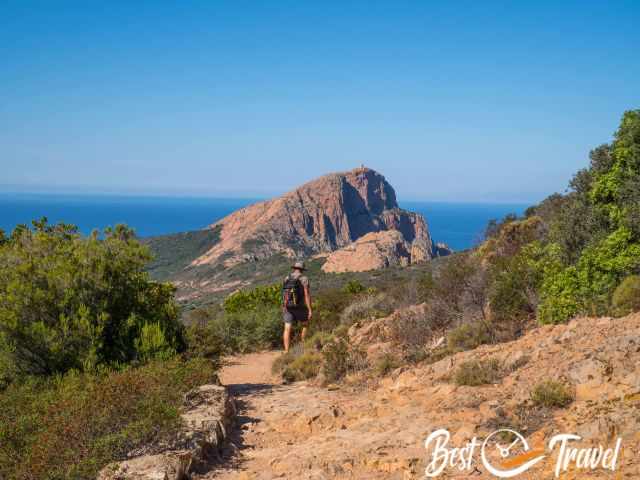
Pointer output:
x,y
468,101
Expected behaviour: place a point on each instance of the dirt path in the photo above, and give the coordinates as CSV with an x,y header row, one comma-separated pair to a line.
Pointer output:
x,y
250,369
297,431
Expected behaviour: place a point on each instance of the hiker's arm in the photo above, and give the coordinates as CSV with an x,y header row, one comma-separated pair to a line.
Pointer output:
x,y
307,299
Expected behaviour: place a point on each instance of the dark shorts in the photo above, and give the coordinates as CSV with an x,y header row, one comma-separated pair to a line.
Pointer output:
x,y
294,316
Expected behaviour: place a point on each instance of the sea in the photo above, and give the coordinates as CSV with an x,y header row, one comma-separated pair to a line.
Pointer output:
x,y
459,225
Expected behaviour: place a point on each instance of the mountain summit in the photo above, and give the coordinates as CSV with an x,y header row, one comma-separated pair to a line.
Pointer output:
x,y
321,216
352,218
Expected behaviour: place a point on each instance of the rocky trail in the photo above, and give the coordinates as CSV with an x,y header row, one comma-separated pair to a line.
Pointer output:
x,y
303,431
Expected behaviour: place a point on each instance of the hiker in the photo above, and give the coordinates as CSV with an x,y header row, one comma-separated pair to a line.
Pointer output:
x,y
296,302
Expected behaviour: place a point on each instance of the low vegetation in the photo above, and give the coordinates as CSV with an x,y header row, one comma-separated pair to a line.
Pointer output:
x,y
551,394
474,373
172,253
341,359
626,297
70,426
303,367
386,364
94,361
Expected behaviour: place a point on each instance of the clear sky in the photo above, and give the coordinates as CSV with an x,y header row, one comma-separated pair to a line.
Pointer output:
x,y
450,100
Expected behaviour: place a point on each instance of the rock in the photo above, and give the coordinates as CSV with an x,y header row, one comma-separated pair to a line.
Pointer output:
x,y
373,251
441,249
209,412
323,215
173,465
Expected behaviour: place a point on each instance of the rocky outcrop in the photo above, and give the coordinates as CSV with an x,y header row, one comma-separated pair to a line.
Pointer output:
x,y
373,251
208,414
323,215
441,249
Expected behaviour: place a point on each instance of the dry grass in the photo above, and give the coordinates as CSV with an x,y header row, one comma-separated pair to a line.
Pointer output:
x,y
551,394
474,373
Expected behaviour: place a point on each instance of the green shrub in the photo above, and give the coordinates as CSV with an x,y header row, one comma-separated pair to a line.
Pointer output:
x,y
304,367
327,306
318,340
514,284
255,299
587,287
626,297
474,373
418,355
69,427
253,331
282,362
385,364
241,331
467,337
72,302
551,394
204,342
353,287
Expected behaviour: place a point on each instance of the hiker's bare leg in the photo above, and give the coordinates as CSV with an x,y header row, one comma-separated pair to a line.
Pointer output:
x,y
286,336
303,333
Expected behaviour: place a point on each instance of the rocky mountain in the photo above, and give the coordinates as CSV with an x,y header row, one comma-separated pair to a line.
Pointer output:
x,y
353,218
323,215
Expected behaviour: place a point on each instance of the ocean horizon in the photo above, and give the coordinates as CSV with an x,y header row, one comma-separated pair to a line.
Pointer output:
x,y
459,225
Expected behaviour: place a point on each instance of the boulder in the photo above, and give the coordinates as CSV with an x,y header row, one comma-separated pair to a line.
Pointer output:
x,y
374,251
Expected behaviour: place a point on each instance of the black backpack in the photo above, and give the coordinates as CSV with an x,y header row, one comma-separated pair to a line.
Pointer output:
x,y
292,293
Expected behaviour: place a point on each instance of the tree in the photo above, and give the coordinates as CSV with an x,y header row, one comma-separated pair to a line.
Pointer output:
x,y
598,230
73,302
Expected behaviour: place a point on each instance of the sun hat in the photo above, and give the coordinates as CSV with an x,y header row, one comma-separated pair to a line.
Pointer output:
x,y
298,266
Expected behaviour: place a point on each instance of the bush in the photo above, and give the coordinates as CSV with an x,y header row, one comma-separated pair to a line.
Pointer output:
x,y
366,307
327,307
283,361
467,337
255,299
411,330
341,331
551,394
304,367
587,287
204,342
340,359
353,287
69,427
626,297
385,364
513,291
71,302
474,373
248,331
318,340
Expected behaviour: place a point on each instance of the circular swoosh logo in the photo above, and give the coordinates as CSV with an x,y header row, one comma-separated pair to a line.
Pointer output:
x,y
512,464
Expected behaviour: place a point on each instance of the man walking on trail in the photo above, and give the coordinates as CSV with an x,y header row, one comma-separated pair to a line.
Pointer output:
x,y
296,302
